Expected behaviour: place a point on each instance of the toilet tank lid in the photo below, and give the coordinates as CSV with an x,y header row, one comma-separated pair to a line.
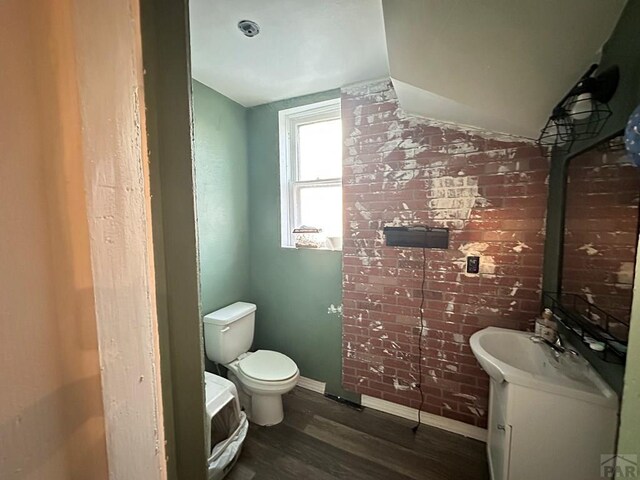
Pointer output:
x,y
230,313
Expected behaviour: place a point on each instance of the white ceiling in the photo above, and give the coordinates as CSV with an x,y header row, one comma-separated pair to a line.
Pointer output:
x,y
304,46
498,65
494,64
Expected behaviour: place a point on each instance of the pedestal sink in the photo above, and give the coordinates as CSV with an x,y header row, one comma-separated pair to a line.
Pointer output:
x,y
551,416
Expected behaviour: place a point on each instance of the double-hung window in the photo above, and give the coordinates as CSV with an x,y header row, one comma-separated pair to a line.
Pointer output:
x,y
311,170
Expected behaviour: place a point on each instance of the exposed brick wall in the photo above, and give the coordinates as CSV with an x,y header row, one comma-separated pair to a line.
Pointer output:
x,y
491,193
601,230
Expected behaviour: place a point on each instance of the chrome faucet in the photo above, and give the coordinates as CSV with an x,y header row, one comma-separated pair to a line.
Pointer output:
x,y
557,347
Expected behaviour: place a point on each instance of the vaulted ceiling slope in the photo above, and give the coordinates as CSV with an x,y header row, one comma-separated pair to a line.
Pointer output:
x,y
494,64
498,65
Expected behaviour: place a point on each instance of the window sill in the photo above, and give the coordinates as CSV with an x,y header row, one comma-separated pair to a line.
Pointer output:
x,y
322,249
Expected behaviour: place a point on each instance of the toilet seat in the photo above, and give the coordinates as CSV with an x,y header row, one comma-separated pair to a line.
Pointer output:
x,y
268,366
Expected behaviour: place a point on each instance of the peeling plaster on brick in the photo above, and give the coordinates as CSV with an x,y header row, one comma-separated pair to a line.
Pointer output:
x,y
520,247
588,249
625,275
476,411
457,148
587,293
402,170
470,398
333,310
602,212
453,198
380,86
445,126
398,385
515,288
487,262
473,248
363,211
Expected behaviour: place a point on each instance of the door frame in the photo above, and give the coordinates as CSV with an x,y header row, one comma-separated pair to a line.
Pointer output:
x,y
168,90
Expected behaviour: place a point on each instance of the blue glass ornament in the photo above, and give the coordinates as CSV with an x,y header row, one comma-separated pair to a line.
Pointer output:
x,y
632,136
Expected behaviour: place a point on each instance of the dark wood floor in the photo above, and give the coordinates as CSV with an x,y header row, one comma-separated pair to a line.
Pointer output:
x,y
321,440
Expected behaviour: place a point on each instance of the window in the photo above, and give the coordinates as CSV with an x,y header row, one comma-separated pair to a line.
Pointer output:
x,y
311,170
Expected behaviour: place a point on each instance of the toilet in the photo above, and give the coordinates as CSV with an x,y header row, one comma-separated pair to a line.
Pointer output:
x,y
261,377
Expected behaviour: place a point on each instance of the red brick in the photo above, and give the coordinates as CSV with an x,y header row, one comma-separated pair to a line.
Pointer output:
x,y
382,285
601,197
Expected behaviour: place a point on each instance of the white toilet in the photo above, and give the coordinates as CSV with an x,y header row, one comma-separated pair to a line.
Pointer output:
x,y
262,377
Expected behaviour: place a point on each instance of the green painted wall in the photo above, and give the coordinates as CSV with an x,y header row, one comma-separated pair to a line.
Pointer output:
x,y
293,289
238,208
222,205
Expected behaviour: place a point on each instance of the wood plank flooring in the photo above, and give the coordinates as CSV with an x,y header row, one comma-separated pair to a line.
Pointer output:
x,y
321,440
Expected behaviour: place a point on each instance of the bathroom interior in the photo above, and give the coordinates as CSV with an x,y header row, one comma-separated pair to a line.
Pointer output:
x,y
389,195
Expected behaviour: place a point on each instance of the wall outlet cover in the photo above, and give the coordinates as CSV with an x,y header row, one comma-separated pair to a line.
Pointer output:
x,y
473,264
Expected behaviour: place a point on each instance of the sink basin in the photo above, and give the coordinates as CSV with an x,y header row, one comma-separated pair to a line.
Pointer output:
x,y
550,416
511,356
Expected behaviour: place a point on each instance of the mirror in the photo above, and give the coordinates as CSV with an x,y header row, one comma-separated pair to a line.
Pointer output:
x,y
601,233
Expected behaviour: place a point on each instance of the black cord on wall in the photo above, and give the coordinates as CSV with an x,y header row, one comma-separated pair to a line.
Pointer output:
x,y
424,275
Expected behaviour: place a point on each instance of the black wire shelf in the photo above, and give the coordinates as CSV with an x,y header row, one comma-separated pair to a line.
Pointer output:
x,y
591,324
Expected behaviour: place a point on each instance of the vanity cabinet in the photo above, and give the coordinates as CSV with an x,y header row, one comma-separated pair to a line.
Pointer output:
x,y
539,435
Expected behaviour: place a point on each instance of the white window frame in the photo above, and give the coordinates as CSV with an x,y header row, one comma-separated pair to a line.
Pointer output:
x,y
289,120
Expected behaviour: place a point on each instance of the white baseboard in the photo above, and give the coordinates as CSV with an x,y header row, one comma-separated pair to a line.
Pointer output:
x,y
437,421
313,385
409,413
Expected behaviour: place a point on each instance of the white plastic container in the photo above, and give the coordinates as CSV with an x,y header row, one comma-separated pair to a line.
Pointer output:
x,y
546,326
226,425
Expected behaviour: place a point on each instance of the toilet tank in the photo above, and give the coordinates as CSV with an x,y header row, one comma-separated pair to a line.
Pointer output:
x,y
228,332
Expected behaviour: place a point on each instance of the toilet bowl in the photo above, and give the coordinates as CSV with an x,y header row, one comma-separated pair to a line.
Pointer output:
x,y
261,377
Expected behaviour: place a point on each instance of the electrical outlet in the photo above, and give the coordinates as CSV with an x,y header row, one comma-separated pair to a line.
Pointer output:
x,y
473,264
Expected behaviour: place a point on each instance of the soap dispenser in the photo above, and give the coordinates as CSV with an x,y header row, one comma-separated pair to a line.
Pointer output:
x,y
546,326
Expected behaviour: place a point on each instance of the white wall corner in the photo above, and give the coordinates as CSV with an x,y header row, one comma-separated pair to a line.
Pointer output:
x,y
111,103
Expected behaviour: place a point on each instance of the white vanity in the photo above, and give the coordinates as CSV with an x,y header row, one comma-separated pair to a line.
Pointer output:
x,y
551,416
